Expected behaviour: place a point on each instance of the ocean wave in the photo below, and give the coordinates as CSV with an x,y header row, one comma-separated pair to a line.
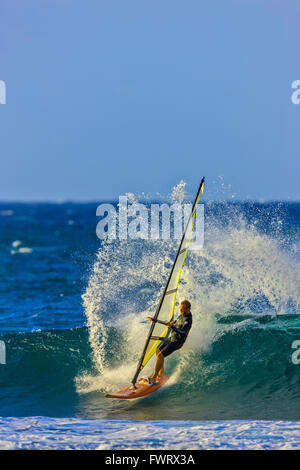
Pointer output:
x,y
246,372
43,433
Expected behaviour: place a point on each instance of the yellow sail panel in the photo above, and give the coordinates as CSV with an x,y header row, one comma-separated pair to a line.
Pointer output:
x,y
167,304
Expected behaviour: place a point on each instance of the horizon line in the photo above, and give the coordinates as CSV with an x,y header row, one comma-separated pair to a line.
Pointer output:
x,y
108,200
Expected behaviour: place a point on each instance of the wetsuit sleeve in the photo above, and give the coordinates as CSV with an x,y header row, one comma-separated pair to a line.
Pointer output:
x,y
184,329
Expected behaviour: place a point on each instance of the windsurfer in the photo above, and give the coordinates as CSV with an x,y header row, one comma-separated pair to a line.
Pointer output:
x,y
175,340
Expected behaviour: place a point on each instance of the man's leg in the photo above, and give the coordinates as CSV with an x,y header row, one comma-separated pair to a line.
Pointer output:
x,y
159,366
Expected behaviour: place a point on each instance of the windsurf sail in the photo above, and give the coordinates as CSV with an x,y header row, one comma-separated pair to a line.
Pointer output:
x,y
166,306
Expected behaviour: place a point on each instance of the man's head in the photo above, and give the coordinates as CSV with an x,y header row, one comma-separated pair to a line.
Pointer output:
x,y
185,307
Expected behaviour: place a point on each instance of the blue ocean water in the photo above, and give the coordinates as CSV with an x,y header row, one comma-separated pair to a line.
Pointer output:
x,y
72,310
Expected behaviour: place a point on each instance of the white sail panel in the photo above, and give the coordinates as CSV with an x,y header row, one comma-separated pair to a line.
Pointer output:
x,y
166,306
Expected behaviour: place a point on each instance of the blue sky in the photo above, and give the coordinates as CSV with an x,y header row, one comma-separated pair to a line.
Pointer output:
x,y
105,97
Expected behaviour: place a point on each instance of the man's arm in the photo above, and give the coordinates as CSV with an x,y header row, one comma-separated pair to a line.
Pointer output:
x,y
169,324
184,329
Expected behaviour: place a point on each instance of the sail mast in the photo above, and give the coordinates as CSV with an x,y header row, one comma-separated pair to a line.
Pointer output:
x,y
158,309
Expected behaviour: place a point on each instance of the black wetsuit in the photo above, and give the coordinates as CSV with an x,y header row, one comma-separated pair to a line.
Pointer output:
x,y
178,335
